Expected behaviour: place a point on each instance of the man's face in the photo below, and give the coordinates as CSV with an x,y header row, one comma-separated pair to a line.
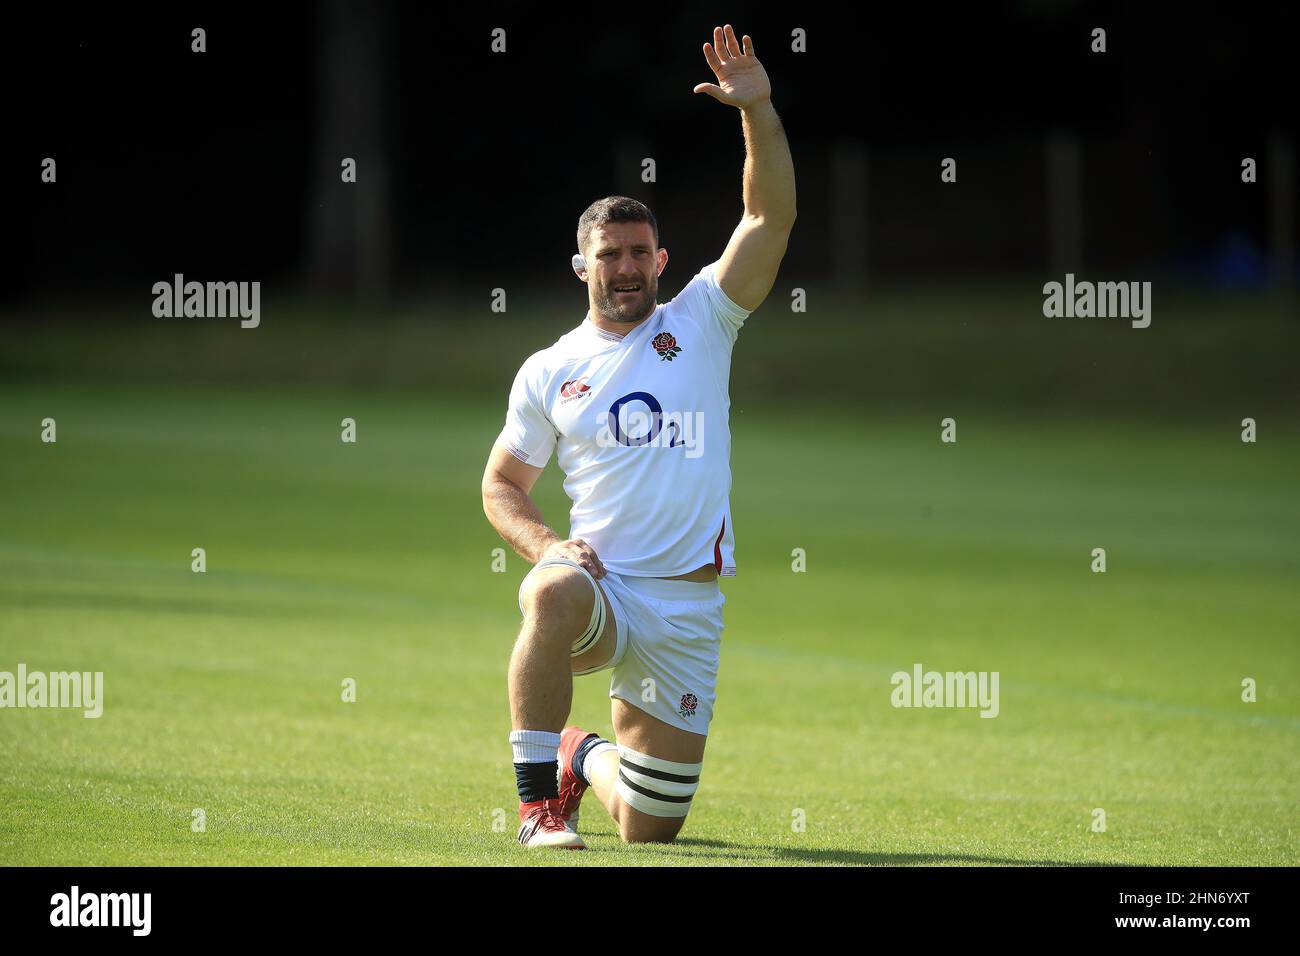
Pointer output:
x,y
623,254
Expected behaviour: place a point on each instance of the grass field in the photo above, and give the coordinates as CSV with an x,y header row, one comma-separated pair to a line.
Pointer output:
x,y
326,561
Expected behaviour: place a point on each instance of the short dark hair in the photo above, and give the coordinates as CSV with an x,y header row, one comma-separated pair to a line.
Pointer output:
x,y
613,209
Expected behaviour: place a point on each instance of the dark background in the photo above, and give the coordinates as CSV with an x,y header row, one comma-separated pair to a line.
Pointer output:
x,y
475,165
473,168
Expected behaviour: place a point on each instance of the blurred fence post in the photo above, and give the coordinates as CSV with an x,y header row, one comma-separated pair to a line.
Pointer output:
x,y
1282,213
848,215
348,246
1064,203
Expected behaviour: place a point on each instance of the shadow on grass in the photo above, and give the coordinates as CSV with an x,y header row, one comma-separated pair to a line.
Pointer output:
x,y
746,853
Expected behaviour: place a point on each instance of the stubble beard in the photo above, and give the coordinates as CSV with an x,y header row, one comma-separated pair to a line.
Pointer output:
x,y
631,311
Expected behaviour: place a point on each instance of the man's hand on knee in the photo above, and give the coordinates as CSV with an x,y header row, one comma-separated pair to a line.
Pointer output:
x,y
576,549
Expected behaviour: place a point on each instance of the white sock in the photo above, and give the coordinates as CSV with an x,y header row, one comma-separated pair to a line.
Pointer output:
x,y
599,748
534,746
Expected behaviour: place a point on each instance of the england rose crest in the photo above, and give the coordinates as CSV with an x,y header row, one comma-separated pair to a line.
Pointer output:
x,y
666,346
689,703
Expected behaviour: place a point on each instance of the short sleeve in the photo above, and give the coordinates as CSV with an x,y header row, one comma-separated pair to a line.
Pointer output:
x,y
704,295
529,433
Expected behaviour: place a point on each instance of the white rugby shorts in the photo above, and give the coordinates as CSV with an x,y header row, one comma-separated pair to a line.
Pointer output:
x,y
670,634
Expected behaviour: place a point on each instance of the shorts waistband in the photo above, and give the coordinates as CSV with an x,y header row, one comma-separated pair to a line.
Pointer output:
x,y
663,589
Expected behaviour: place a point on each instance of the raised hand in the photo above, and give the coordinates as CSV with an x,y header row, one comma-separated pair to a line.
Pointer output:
x,y
742,81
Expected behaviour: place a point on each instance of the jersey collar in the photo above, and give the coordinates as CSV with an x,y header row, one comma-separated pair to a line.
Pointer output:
x,y
592,331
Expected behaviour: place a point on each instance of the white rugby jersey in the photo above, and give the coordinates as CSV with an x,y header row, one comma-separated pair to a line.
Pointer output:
x,y
639,426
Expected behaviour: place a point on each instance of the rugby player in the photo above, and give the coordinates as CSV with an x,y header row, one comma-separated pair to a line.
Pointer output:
x,y
633,403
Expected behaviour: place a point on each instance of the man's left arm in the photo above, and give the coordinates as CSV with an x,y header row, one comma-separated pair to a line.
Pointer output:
x,y
747,270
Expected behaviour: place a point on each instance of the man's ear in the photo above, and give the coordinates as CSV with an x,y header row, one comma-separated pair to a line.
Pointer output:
x,y
662,256
580,267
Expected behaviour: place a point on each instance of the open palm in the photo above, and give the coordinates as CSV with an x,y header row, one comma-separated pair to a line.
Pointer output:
x,y
742,81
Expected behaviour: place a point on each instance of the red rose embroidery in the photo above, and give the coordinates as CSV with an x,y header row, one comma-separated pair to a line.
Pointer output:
x,y
666,346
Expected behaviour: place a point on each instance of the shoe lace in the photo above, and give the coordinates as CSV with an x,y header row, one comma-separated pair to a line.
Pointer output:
x,y
551,816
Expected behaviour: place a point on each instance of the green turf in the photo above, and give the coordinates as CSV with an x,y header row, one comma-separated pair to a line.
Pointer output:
x,y
373,561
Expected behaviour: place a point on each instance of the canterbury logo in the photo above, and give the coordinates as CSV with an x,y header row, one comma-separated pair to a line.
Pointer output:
x,y
574,388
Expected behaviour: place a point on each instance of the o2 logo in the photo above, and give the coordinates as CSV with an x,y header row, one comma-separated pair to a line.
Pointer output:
x,y
638,419
636,427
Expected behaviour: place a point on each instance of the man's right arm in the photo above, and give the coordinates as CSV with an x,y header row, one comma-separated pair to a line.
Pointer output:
x,y
507,483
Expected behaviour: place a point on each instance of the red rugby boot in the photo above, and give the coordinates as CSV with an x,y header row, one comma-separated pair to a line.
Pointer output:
x,y
540,824
571,786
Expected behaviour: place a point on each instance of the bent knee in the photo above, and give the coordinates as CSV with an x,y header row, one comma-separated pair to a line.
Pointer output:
x,y
558,591
637,827
656,795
